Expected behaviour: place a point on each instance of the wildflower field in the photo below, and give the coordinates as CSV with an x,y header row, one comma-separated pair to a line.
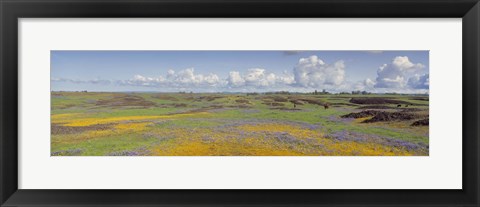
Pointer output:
x,y
238,124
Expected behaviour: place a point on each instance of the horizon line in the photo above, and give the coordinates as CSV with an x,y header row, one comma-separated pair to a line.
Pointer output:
x,y
225,92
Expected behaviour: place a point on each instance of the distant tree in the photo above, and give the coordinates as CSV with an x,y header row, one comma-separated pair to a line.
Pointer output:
x,y
282,92
365,93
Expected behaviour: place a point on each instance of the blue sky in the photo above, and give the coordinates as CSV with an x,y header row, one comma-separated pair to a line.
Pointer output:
x,y
240,71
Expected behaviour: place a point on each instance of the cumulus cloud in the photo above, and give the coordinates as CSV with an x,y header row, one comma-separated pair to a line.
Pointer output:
x,y
173,79
139,80
170,73
365,85
310,73
188,77
419,81
314,72
285,78
258,77
393,75
235,79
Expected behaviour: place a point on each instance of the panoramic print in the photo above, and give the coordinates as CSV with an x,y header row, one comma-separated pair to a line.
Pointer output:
x,y
240,103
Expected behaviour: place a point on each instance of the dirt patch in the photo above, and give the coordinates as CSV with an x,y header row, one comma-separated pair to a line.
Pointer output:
x,y
242,101
214,106
376,107
376,101
336,99
420,99
280,99
413,109
276,104
297,102
242,106
209,98
179,105
391,116
59,129
273,103
382,116
343,104
125,100
423,122
285,109
174,105
54,94
362,114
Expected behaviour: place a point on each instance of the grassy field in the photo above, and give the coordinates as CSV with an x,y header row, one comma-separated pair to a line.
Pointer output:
x,y
184,124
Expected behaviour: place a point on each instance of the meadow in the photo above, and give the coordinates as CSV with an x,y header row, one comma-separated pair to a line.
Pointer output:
x,y
238,124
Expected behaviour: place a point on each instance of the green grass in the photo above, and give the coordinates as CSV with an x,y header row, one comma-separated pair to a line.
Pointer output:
x,y
109,144
217,113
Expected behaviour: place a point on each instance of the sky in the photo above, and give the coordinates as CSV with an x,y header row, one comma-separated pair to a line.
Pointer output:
x,y
241,71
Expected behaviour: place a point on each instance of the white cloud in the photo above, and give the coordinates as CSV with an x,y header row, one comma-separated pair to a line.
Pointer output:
x,y
170,73
310,73
369,83
181,79
393,75
255,77
235,79
258,77
314,72
365,85
140,80
285,78
211,79
187,76
419,81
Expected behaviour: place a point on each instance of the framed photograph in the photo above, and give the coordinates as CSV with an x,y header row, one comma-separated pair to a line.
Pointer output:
x,y
228,103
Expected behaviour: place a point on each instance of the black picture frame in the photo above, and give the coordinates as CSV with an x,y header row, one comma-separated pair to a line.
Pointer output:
x,y
11,10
